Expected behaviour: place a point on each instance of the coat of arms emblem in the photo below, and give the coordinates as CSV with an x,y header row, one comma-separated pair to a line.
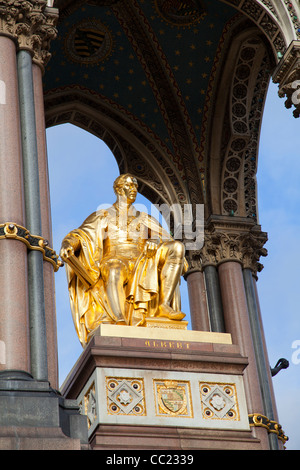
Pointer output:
x,y
172,398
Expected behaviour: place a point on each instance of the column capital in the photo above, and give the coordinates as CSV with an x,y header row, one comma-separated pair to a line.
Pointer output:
x,y
194,259
287,75
233,239
31,24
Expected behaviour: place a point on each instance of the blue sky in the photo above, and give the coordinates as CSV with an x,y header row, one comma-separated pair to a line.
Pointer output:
x,y
82,170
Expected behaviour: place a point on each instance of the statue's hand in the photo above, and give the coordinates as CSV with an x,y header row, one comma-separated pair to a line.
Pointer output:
x,y
66,251
150,248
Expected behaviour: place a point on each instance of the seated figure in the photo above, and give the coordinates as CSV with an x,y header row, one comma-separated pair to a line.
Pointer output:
x,y
122,266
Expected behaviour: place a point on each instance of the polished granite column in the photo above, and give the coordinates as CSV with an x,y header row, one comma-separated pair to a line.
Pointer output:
x,y
237,322
197,293
214,299
14,326
33,415
46,226
262,361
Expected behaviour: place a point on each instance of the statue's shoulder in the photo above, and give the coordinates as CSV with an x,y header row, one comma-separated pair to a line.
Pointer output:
x,y
148,218
95,217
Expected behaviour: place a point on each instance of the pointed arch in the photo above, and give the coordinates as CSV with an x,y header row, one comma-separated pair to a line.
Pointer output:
x,y
135,149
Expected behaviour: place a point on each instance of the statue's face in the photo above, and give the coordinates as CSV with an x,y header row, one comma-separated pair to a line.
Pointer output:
x,y
130,188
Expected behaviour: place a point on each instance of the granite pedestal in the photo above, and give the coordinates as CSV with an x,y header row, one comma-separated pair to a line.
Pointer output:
x,y
153,388
33,416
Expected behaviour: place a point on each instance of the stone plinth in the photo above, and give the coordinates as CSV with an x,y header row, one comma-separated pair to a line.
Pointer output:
x,y
154,388
33,416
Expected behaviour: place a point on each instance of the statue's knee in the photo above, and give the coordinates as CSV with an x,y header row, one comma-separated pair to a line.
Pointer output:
x,y
178,249
113,270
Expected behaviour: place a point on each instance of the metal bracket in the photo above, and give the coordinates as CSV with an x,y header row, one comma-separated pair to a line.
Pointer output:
x,y
259,420
281,364
11,230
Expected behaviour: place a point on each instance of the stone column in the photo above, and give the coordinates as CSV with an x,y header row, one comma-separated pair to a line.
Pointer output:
x,y
209,263
234,242
14,326
32,414
48,271
270,382
28,26
40,58
35,29
214,299
197,292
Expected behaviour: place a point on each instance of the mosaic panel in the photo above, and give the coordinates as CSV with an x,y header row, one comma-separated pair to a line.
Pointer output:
x,y
168,398
125,396
219,401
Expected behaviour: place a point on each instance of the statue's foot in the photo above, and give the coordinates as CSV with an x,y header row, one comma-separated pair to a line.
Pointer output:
x,y
165,310
139,317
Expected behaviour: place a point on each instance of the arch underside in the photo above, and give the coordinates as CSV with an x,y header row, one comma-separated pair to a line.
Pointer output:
x,y
213,163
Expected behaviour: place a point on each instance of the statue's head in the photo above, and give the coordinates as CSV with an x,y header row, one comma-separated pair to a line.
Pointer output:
x,y
126,186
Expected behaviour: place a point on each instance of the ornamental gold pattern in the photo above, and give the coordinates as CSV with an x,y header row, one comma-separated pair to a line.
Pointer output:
x,y
219,401
125,396
173,398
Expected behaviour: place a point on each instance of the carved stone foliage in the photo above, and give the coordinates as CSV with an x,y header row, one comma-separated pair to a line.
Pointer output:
x,y
287,75
31,24
242,244
225,241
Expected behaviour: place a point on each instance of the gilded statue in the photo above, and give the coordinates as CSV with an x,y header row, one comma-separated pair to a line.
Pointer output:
x,y
122,266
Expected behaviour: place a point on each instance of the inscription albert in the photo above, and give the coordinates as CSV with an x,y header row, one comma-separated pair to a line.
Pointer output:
x,y
167,344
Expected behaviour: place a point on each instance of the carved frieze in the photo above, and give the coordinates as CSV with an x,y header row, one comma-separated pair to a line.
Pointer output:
x,y
31,24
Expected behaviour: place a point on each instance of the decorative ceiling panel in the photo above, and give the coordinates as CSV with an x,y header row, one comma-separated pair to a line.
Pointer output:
x,y
98,49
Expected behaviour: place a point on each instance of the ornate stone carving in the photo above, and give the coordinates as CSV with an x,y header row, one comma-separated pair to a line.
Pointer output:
x,y
243,244
194,259
125,396
219,401
230,241
247,96
31,24
173,398
287,75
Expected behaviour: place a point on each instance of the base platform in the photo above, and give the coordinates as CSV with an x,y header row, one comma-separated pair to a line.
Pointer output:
x,y
162,333
157,388
33,416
